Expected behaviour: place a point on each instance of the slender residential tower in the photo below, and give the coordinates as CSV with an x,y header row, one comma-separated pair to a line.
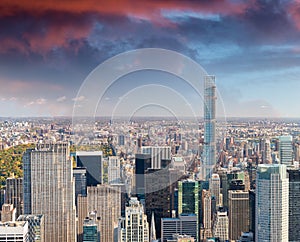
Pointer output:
x,y
49,189
209,153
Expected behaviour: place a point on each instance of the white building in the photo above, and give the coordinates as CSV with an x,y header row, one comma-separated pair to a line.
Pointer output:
x,y
214,188
114,176
272,203
221,226
134,227
14,231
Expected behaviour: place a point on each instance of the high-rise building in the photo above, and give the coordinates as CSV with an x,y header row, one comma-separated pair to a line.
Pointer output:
x,y
14,231
82,213
158,196
266,152
142,163
252,211
157,155
221,226
79,174
215,188
106,200
272,203
185,224
90,228
14,194
134,226
238,213
92,161
49,189
36,227
286,150
294,205
114,170
207,215
188,198
209,153
8,213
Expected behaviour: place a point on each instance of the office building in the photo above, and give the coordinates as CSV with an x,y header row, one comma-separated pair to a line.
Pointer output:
x,y
92,161
188,198
142,164
90,228
286,150
82,213
14,231
181,238
49,189
206,230
252,211
215,188
221,226
238,213
266,154
14,194
272,203
134,226
158,154
158,196
8,213
106,200
36,227
185,224
209,153
114,170
294,205
79,174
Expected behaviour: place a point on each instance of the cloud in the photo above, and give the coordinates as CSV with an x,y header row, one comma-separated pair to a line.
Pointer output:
x,y
79,99
61,99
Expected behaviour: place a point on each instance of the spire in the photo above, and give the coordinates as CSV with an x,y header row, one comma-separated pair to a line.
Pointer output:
x,y
153,230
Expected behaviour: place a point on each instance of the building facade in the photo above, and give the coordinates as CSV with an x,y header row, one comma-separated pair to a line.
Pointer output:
x,y
49,189
272,203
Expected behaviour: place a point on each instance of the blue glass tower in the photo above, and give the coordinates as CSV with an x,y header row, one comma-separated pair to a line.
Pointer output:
x,y
209,153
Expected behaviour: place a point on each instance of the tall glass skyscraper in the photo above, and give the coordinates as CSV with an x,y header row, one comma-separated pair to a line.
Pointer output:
x,y
272,203
286,150
209,153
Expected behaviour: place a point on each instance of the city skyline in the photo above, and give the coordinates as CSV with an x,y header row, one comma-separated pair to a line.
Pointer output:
x,y
47,50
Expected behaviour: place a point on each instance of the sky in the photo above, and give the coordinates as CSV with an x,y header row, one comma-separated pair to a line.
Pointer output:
x,y
48,48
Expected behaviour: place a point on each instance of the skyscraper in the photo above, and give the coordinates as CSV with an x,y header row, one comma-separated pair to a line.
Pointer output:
x,y
294,205
215,188
142,163
92,161
14,194
209,153
49,189
188,198
79,173
238,205
272,203
207,218
286,150
106,200
157,155
134,227
114,170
